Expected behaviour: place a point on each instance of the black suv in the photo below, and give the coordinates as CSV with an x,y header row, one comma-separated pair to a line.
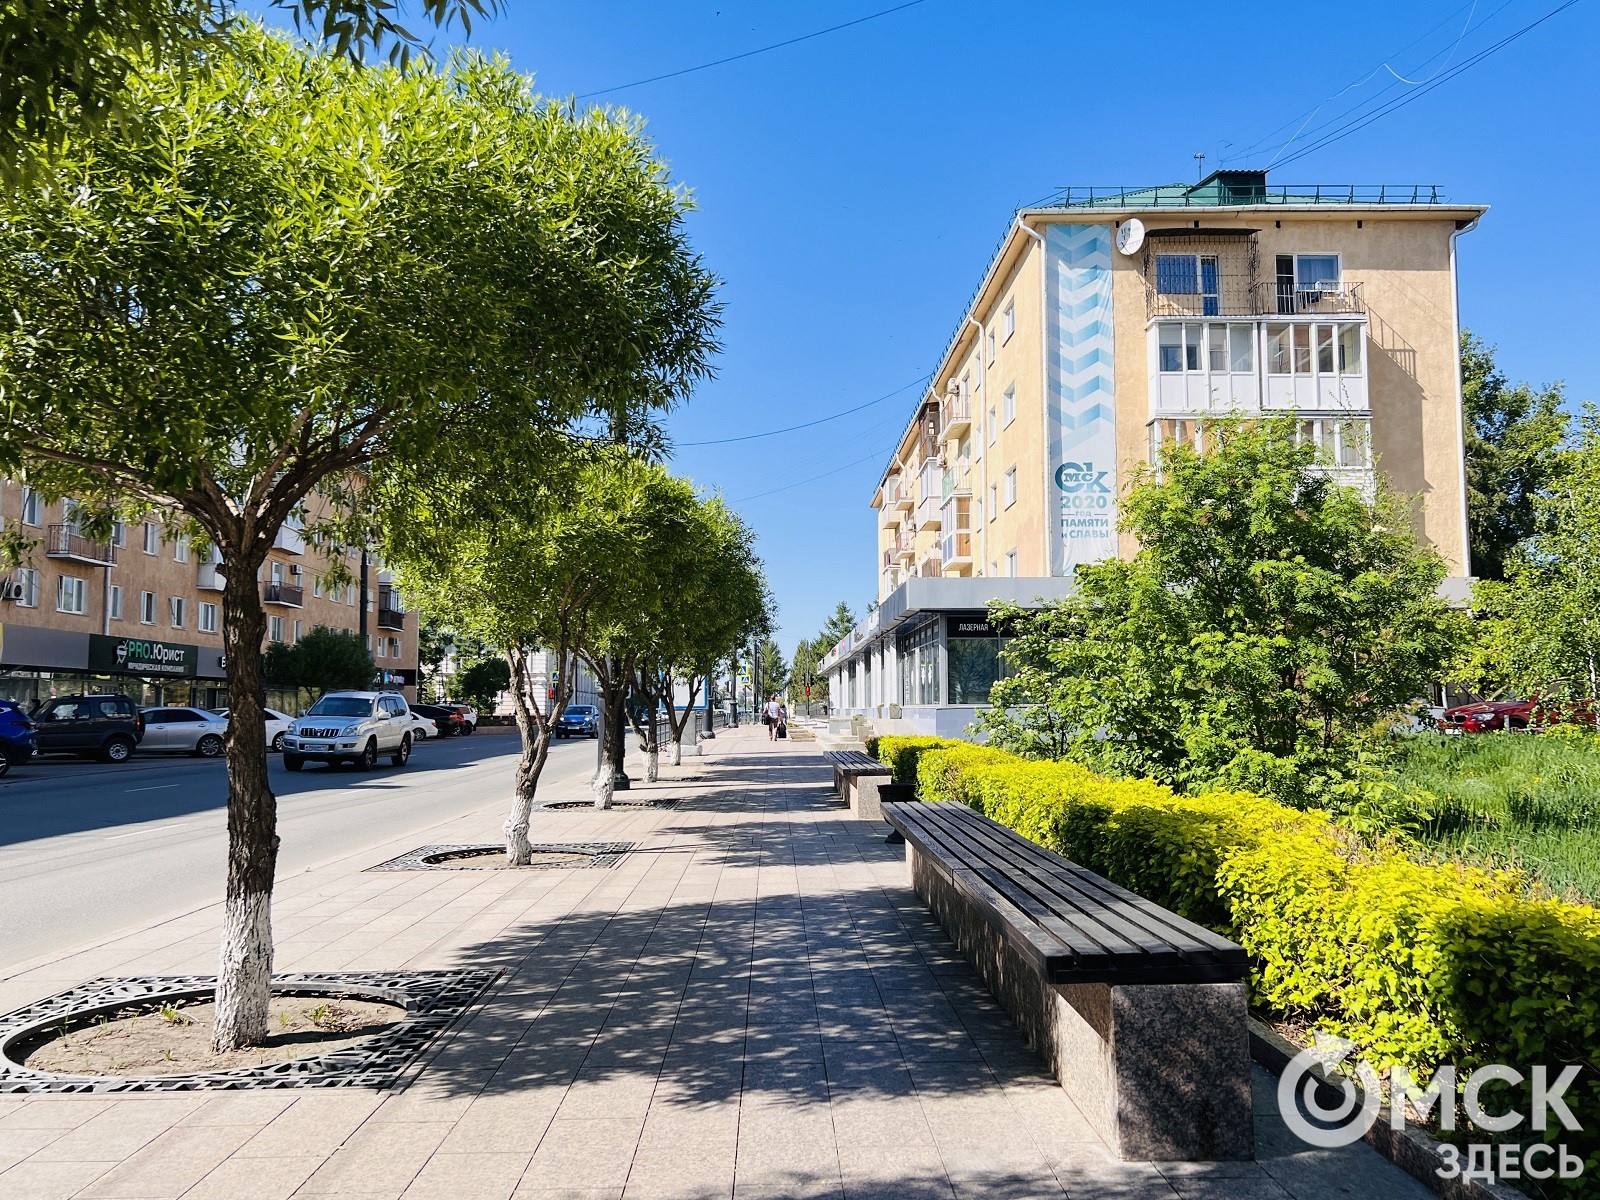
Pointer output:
x,y
103,727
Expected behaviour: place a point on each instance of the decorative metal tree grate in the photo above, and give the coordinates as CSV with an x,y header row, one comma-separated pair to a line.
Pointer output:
x,y
433,1001
548,856
582,805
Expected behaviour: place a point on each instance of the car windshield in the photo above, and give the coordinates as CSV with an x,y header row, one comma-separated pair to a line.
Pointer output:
x,y
579,710
340,706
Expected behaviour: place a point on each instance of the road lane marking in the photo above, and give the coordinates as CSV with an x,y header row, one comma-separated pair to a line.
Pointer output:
x,y
158,788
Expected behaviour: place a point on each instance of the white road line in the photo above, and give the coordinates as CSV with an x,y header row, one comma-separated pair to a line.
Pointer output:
x,y
158,788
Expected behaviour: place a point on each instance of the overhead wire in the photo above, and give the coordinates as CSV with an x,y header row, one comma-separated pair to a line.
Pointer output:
x,y
794,41
789,487
750,437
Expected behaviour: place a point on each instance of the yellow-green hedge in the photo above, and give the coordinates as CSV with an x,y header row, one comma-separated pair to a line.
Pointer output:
x,y
1417,963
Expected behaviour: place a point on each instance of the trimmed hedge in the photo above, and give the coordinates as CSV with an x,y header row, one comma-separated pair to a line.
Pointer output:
x,y
1417,963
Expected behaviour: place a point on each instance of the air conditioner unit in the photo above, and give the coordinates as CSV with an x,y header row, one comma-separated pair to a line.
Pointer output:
x,y
295,569
11,590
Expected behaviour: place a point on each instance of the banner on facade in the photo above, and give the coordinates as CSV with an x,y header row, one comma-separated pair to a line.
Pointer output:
x,y
141,656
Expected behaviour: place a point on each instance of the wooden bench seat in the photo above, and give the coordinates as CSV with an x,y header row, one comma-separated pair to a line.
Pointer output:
x,y
856,777
1139,1012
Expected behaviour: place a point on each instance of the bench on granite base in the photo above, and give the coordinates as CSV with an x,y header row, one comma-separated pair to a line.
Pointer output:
x,y
1139,1013
856,778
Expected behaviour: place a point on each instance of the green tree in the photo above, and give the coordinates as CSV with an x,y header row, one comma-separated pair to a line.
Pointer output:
x,y
1268,620
323,660
65,64
1540,626
1513,441
838,625
434,640
774,672
483,682
302,276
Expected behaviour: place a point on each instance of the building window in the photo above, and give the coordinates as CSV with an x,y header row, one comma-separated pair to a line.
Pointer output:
x,y
275,629
1344,442
180,548
299,628
994,500
114,602
1332,348
1009,403
991,345
1008,322
180,611
147,608
152,538
350,594
32,507
316,586
994,424
394,647
1191,275
1011,486
72,595
119,533
1217,348
208,617
1011,563
1311,270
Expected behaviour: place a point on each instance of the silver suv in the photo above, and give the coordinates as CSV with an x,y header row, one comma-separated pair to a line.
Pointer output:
x,y
352,727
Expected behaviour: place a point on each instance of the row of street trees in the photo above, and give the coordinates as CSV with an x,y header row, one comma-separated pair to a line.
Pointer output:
x,y
286,274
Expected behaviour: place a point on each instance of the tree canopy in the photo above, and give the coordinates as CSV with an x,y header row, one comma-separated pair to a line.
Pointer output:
x,y
323,660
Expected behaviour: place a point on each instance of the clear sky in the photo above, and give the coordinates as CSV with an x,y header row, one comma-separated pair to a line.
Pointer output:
x,y
851,188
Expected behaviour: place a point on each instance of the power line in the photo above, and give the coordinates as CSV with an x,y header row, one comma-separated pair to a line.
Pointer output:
x,y
789,487
805,37
750,437
1353,126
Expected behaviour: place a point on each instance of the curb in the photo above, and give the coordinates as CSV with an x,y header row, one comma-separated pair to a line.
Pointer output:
x,y
1413,1150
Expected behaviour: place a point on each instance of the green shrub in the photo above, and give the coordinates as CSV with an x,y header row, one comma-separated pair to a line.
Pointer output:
x,y
900,754
1417,963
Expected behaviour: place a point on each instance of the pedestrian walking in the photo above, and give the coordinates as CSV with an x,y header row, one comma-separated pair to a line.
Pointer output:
x,y
769,718
783,720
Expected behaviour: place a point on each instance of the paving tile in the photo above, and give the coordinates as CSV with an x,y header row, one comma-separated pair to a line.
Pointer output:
x,y
39,1112
593,1152
119,1131
315,1124
477,1176
170,1164
503,1122
38,1180
380,1158
255,1178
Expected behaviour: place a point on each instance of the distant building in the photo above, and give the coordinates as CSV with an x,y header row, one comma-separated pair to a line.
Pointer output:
x,y
1118,321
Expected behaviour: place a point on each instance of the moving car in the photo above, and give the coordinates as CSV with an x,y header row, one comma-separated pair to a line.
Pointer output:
x,y
447,720
16,735
277,725
353,727
578,720
194,730
103,726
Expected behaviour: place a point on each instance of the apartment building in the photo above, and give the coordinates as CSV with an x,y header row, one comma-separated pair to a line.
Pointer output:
x,y
1114,322
142,612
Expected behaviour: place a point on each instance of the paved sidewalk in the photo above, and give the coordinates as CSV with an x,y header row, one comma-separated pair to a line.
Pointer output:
x,y
751,1004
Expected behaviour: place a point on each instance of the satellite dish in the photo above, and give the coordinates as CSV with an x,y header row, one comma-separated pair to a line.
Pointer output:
x,y
1130,236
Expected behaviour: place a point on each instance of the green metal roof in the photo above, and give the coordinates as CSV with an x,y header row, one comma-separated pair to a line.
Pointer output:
x,y
1231,189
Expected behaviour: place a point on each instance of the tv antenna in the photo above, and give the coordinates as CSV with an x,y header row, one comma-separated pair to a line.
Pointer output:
x,y
1199,164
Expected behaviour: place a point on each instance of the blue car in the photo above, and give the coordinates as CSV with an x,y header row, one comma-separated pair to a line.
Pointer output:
x,y
17,743
578,720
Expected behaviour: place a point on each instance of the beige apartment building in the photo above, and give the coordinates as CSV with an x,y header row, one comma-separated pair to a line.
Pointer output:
x,y
142,613
1119,320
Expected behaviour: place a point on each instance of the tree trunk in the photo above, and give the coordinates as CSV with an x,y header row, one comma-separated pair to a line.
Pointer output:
x,y
677,750
606,772
244,974
652,758
535,736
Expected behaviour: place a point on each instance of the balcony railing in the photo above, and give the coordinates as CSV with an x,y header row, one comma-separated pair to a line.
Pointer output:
x,y
1241,295
391,618
210,577
66,542
957,415
928,511
285,594
930,567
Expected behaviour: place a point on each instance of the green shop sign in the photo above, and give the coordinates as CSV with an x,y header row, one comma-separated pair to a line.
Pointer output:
x,y
141,656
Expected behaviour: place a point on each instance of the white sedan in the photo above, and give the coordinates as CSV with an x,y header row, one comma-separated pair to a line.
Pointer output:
x,y
277,725
421,727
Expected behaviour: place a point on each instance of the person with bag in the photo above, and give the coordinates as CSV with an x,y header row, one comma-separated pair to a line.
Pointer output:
x,y
769,718
783,720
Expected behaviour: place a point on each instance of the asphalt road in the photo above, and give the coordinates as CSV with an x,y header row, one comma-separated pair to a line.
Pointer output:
x,y
87,848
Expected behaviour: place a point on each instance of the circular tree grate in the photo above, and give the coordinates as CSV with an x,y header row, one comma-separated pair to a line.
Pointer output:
x,y
483,857
581,805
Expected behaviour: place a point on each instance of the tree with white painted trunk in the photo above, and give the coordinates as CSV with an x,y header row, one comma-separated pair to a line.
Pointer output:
x,y
293,279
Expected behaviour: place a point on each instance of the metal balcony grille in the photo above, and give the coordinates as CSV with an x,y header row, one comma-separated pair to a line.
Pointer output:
x,y
64,541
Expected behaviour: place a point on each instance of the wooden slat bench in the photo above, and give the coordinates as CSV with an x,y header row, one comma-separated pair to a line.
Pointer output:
x,y
1138,1012
856,777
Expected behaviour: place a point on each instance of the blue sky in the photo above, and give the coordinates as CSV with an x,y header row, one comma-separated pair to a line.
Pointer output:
x,y
850,189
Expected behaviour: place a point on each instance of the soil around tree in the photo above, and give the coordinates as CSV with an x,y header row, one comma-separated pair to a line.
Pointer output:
x,y
176,1039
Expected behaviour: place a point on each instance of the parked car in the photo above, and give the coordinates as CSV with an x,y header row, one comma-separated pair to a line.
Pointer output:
x,y
578,720
353,727
1485,716
421,727
192,730
16,735
277,725
467,713
107,727
447,720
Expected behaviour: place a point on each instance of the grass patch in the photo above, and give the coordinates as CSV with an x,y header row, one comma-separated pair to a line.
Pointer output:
x,y
1529,801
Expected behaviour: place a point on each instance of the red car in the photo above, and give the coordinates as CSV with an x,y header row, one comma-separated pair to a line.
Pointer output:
x,y
1486,716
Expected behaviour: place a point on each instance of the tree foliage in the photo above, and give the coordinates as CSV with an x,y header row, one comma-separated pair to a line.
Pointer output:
x,y
323,660
481,683
1268,620
1514,435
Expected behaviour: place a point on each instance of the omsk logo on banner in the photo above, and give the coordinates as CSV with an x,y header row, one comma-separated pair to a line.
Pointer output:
x,y
1073,478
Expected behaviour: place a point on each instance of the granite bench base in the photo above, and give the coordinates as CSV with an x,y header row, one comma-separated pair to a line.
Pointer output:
x,y
1161,1071
859,790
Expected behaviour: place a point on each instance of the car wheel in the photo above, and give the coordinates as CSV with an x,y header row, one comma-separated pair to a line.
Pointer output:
x,y
402,752
209,746
116,750
5,764
369,755
293,762
277,741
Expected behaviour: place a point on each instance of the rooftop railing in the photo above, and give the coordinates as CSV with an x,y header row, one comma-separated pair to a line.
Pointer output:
x,y
1187,196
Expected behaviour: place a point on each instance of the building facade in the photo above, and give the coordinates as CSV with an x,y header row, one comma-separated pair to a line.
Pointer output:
x,y
1118,321
142,613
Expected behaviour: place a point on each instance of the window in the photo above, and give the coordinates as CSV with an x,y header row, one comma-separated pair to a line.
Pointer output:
x,y
394,647
994,424
180,548
114,602
275,571
147,608
316,586
275,629
1313,269
152,538
350,594
119,533
991,345
1197,346
1009,403
1011,486
208,617
1008,322
32,507
1165,432
1011,563
72,595
1191,275
1331,348
28,580
179,611
299,628
1343,442
994,500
